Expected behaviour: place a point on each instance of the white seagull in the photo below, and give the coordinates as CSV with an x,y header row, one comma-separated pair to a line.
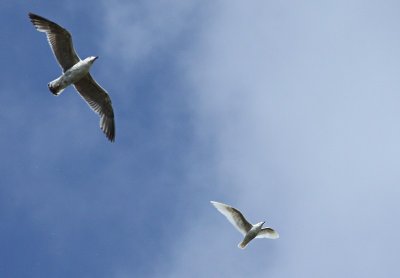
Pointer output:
x,y
248,230
76,72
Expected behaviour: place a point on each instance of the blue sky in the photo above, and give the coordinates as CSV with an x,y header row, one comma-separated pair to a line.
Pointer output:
x,y
287,110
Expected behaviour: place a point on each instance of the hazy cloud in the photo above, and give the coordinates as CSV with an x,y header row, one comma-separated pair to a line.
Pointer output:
x,y
288,111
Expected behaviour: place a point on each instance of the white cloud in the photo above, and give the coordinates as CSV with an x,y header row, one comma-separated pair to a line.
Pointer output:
x,y
140,30
293,106
301,135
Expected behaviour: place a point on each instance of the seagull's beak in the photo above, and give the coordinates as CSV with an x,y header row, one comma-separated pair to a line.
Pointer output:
x,y
95,58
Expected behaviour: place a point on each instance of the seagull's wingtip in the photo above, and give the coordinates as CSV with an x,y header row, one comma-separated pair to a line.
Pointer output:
x,y
216,204
34,16
110,137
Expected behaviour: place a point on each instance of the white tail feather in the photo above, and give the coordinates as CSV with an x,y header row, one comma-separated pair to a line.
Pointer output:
x,y
56,86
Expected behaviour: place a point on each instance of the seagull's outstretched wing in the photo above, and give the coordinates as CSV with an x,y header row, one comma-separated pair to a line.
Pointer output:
x,y
60,41
268,233
234,216
100,102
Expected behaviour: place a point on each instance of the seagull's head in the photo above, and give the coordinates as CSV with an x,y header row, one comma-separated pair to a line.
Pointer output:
x,y
91,59
259,224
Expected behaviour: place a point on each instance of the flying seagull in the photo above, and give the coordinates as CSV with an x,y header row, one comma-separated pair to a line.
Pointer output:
x,y
76,71
248,230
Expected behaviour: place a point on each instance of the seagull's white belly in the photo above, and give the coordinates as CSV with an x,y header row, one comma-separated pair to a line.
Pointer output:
x,y
250,236
72,75
75,73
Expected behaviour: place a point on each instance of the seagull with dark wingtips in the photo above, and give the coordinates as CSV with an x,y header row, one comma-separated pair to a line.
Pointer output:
x,y
76,72
248,230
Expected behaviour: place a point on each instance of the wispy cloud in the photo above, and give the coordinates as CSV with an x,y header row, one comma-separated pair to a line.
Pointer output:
x,y
145,30
299,132
286,110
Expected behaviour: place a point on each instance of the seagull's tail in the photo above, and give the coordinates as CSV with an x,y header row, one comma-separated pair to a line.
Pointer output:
x,y
56,87
244,243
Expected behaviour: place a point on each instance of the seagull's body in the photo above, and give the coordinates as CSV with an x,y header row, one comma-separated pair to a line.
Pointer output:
x,y
248,230
76,72
71,76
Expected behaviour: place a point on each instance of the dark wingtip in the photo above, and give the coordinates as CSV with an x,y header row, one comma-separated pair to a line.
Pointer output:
x,y
108,127
35,17
111,137
110,132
